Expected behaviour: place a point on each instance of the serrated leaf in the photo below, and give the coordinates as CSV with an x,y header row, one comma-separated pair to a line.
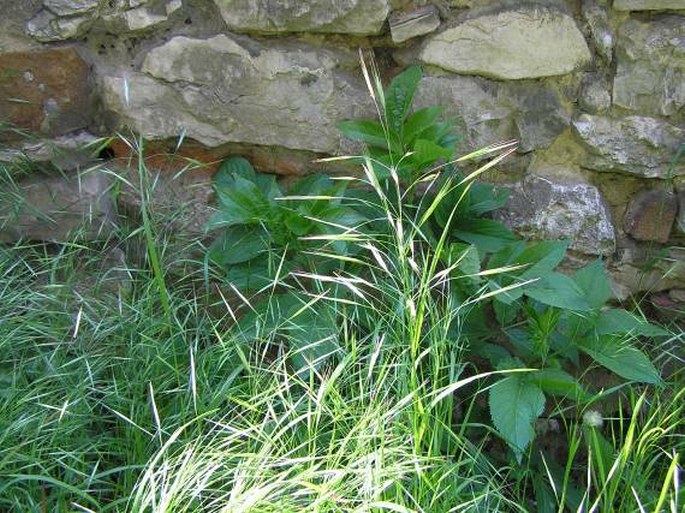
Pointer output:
x,y
594,283
400,95
618,321
515,403
556,289
622,358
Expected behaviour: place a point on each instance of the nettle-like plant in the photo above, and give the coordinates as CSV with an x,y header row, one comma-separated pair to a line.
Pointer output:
x,y
416,214
546,318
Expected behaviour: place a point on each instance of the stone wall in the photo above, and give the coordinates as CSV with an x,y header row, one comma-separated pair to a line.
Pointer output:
x,y
594,90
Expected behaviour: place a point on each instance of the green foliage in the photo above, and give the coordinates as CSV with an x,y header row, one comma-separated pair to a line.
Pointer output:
x,y
417,203
264,233
515,403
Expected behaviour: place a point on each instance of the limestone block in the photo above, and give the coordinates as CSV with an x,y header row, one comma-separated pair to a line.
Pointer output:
x,y
45,92
539,114
70,151
217,91
595,94
648,5
650,215
650,73
637,145
540,209
71,7
527,42
596,16
406,26
483,118
56,208
47,27
361,17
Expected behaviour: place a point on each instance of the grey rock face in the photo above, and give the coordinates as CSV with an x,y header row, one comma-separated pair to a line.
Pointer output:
x,y
47,27
56,208
543,209
597,17
416,23
528,42
650,215
637,145
595,95
71,7
648,5
474,102
69,19
218,91
359,17
650,74
539,115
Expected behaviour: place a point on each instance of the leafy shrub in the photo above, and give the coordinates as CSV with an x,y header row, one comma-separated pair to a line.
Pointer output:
x,y
504,296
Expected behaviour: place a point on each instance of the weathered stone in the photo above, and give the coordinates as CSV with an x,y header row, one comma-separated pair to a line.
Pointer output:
x,y
542,209
342,16
650,73
57,208
45,92
482,117
47,27
141,18
70,151
216,91
650,215
637,145
631,275
406,26
595,96
648,5
596,15
538,115
680,220
71,7
528,42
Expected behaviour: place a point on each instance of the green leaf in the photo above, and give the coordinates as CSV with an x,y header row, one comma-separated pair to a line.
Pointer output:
x,y
618,321
506,312
541,258
243,202
419,122
556,289
466,258
486,198
399,97
427,152
560,383
622,358
229,169
594,283
494,353
298,224
238,244
369,132
515,403
488,235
